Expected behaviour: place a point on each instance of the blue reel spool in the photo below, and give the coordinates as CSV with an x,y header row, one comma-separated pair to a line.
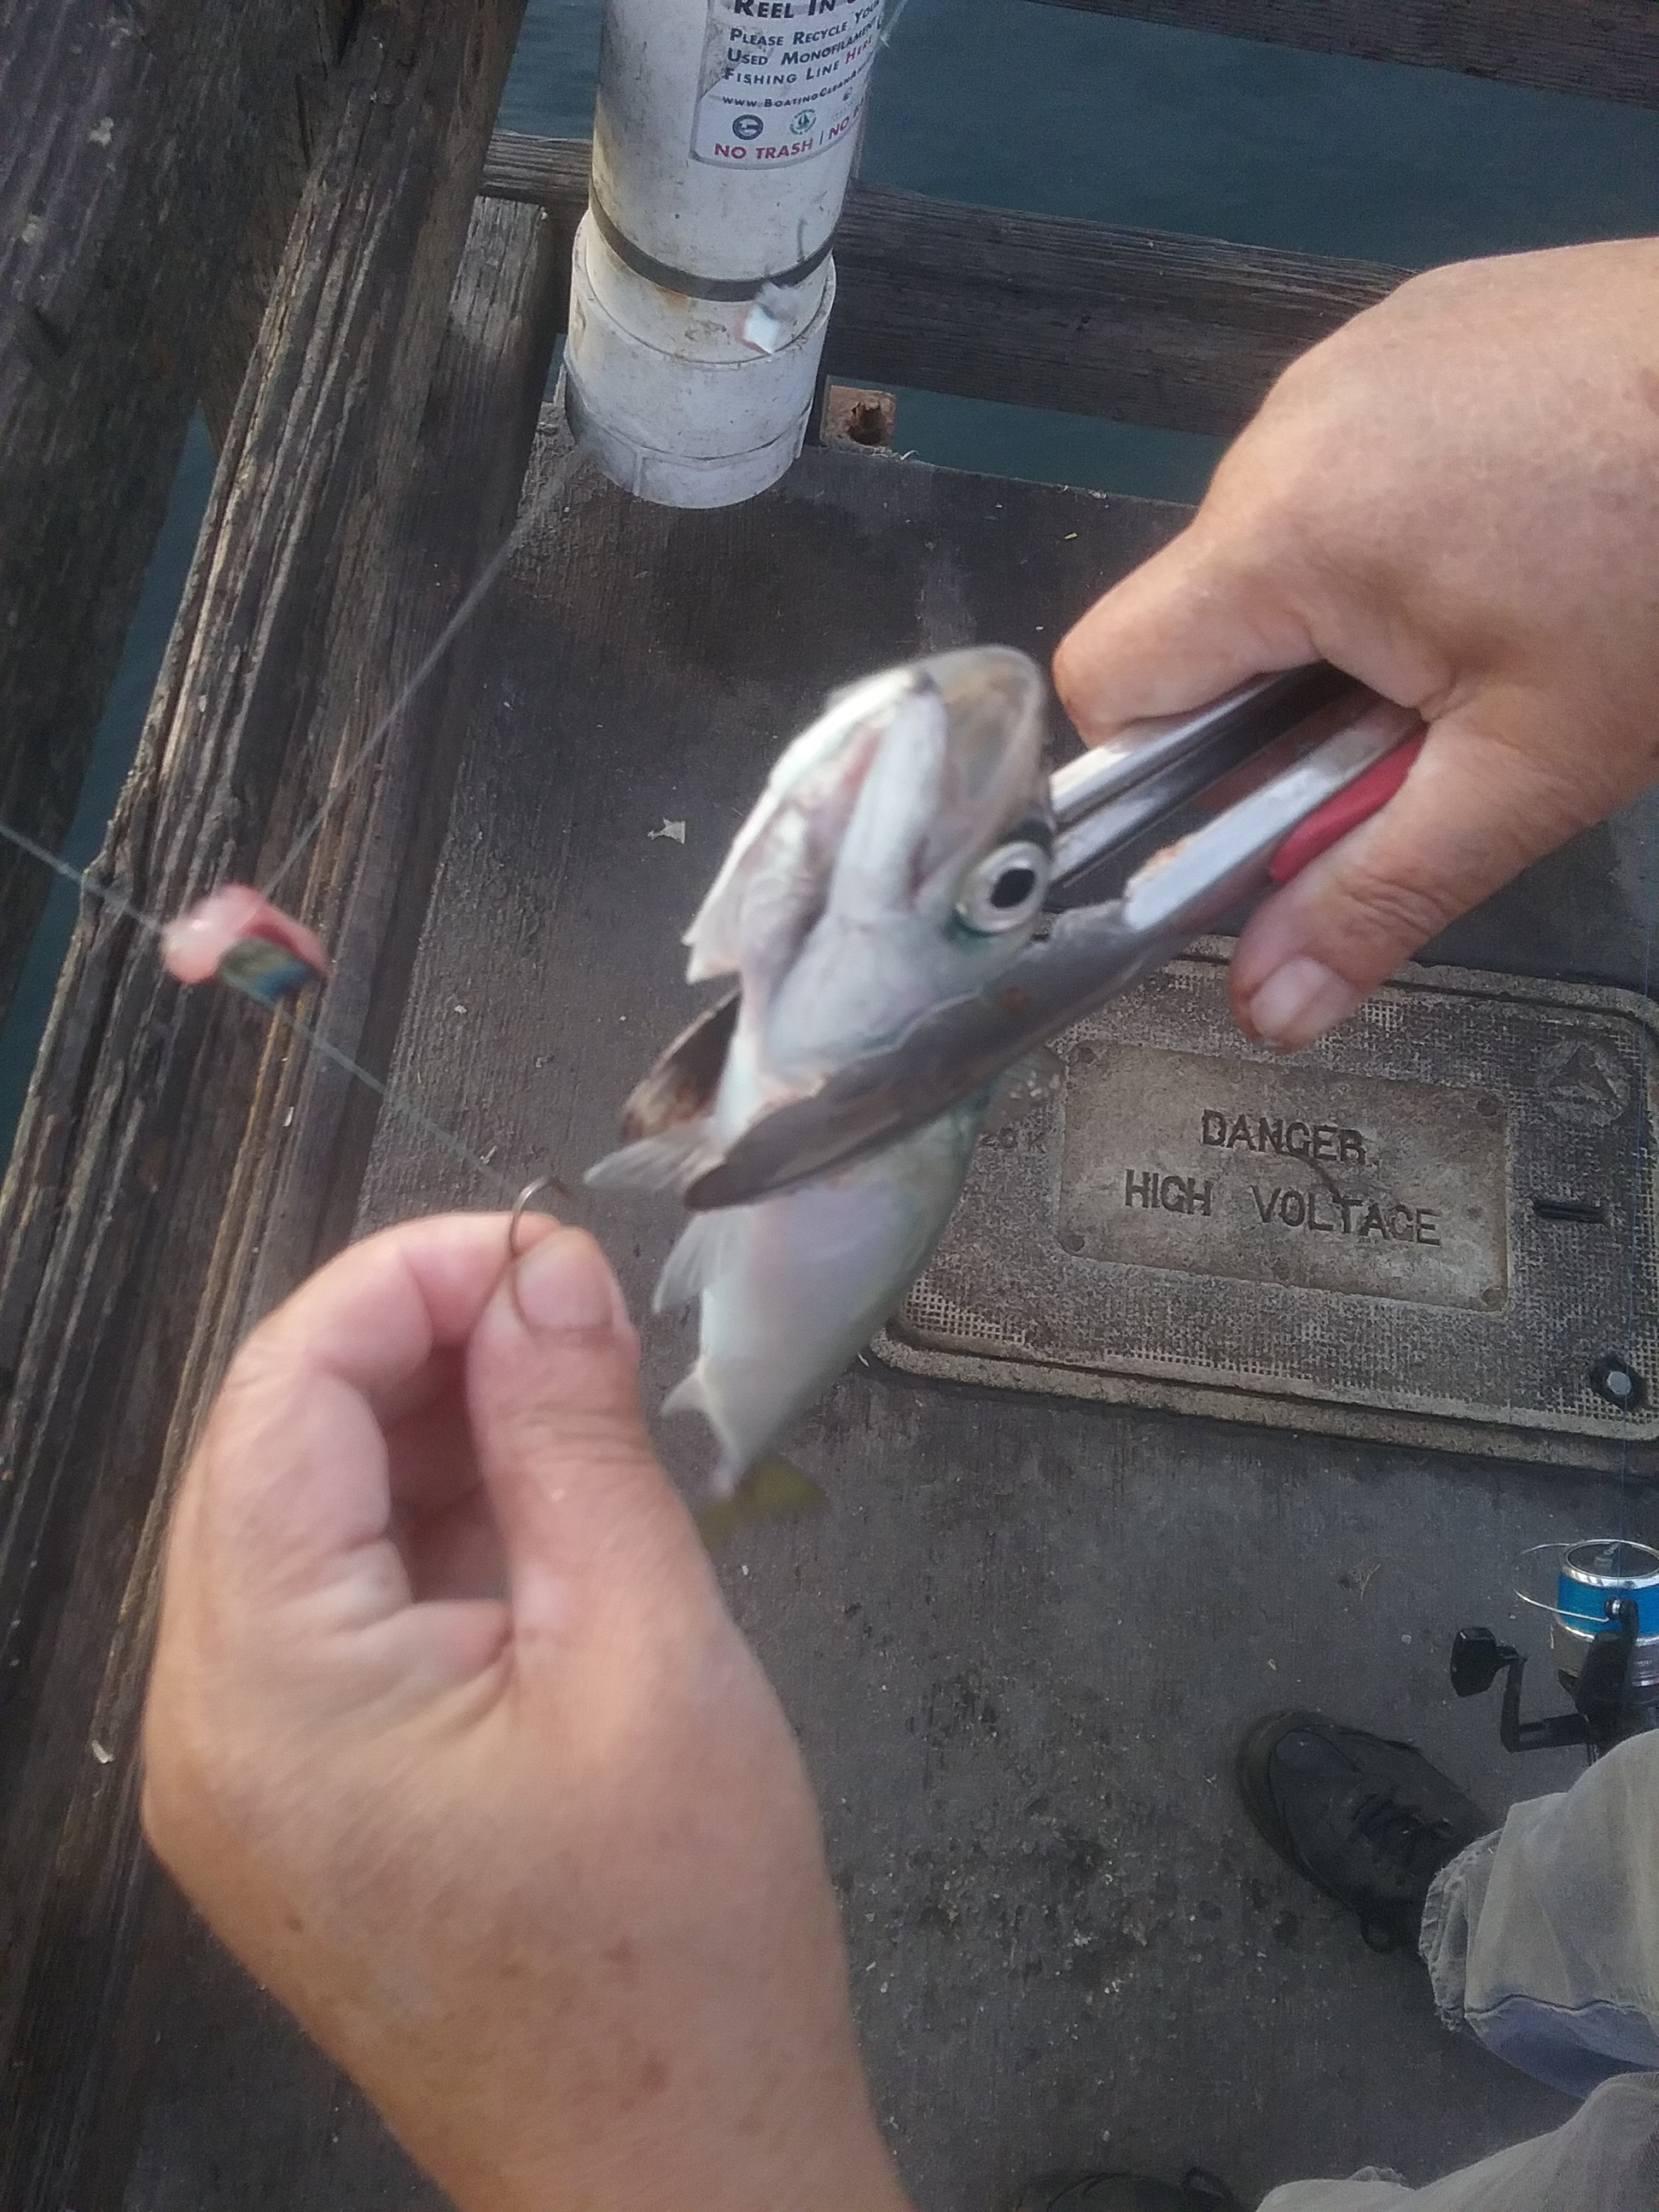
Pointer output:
x,y
1603,1614
1589,1574
1605,1567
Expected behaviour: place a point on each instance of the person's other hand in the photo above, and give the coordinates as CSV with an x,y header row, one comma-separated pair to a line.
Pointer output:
x,y
451,1739
1456,498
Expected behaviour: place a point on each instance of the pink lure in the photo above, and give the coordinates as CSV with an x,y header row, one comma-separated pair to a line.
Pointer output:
x,y
236,935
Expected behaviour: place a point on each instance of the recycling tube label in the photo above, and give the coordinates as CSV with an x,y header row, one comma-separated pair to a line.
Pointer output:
x,y
782,79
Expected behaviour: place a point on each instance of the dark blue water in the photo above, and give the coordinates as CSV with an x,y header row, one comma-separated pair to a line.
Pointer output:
x,y
112,757
1015,104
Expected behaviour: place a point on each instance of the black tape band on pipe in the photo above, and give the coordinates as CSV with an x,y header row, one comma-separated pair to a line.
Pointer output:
x,y
686,280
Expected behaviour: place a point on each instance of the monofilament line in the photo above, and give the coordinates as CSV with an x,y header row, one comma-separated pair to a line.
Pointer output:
x,y
81,878
451,630
1637,1210
508,1186
83,881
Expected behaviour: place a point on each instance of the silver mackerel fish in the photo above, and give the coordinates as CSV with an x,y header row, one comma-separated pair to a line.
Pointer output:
x,y
898,857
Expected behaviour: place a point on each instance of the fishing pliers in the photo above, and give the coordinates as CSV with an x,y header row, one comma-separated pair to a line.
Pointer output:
x,y
1348,752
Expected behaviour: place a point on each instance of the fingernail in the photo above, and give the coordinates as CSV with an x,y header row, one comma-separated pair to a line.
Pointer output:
x,y
1299,1001
562,1283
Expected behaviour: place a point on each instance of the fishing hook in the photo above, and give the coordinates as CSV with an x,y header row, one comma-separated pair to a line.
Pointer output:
x,y
531,1190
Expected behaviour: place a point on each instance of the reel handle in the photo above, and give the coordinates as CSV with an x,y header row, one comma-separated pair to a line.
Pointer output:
x,y
1604,1712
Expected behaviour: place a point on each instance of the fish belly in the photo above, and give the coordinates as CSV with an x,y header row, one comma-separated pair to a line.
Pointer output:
x,y
805,1280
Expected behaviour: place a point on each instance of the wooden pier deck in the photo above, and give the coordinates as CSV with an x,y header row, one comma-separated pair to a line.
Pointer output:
x,y
1064,1937
1021,1756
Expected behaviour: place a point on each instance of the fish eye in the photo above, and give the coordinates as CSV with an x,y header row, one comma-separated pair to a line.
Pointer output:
x,y
1005,889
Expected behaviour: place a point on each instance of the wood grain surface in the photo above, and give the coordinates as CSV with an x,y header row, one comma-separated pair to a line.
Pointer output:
x,y
133,140
300,113
151,1202
1600,49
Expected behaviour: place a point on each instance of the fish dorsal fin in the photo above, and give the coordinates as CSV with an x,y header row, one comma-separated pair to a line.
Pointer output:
x,y
695,1261
666,1161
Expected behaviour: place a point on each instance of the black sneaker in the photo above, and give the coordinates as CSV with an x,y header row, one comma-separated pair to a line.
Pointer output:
x,y
1199,2191
1367,1820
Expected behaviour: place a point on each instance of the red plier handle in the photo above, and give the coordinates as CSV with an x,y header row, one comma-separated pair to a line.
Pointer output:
x,y
1365,796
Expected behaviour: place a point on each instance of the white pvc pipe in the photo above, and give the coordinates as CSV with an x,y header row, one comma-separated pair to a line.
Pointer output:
x,y
724,137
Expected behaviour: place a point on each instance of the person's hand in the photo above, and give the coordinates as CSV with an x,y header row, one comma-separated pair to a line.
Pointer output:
x,y
1454,498
451,1740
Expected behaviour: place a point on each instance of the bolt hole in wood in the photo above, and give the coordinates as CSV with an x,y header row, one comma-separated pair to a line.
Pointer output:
x,y
855,417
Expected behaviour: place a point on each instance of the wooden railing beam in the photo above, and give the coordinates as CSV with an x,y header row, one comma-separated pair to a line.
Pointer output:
x,y
1596,49
1041,311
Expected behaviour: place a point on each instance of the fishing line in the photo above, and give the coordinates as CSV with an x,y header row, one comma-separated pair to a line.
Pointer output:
x,y
452,630
891,24
82,880
1636,1211
508,1185
399,1102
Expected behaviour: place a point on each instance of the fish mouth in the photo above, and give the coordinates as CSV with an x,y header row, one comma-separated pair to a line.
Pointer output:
x,y
990,784
995,698
998,681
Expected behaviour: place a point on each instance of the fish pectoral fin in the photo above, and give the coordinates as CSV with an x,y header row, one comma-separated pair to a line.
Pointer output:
x,y
774,1489
661,1163
689,1395
695,1261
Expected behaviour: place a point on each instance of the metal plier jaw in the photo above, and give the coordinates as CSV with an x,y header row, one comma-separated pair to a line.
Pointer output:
x,y
1354,751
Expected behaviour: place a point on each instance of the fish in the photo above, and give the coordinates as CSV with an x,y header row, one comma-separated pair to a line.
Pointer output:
x,y
898,857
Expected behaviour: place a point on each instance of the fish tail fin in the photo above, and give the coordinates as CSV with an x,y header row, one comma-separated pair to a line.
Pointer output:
x,y
773,1489
661,1162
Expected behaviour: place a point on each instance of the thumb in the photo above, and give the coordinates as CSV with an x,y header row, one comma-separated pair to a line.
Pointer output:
x,y
1477,807
1182,629
553,1397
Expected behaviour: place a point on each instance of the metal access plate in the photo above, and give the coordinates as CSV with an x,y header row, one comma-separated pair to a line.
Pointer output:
x,y
1431,1227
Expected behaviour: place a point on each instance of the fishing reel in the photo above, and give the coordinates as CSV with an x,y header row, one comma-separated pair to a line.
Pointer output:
x,y
1604,1639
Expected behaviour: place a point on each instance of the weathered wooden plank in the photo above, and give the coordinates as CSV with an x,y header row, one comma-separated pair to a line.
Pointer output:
x,y
1042,310
292,1201
1600,49
131,143
300,122
157,1127
1187,333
